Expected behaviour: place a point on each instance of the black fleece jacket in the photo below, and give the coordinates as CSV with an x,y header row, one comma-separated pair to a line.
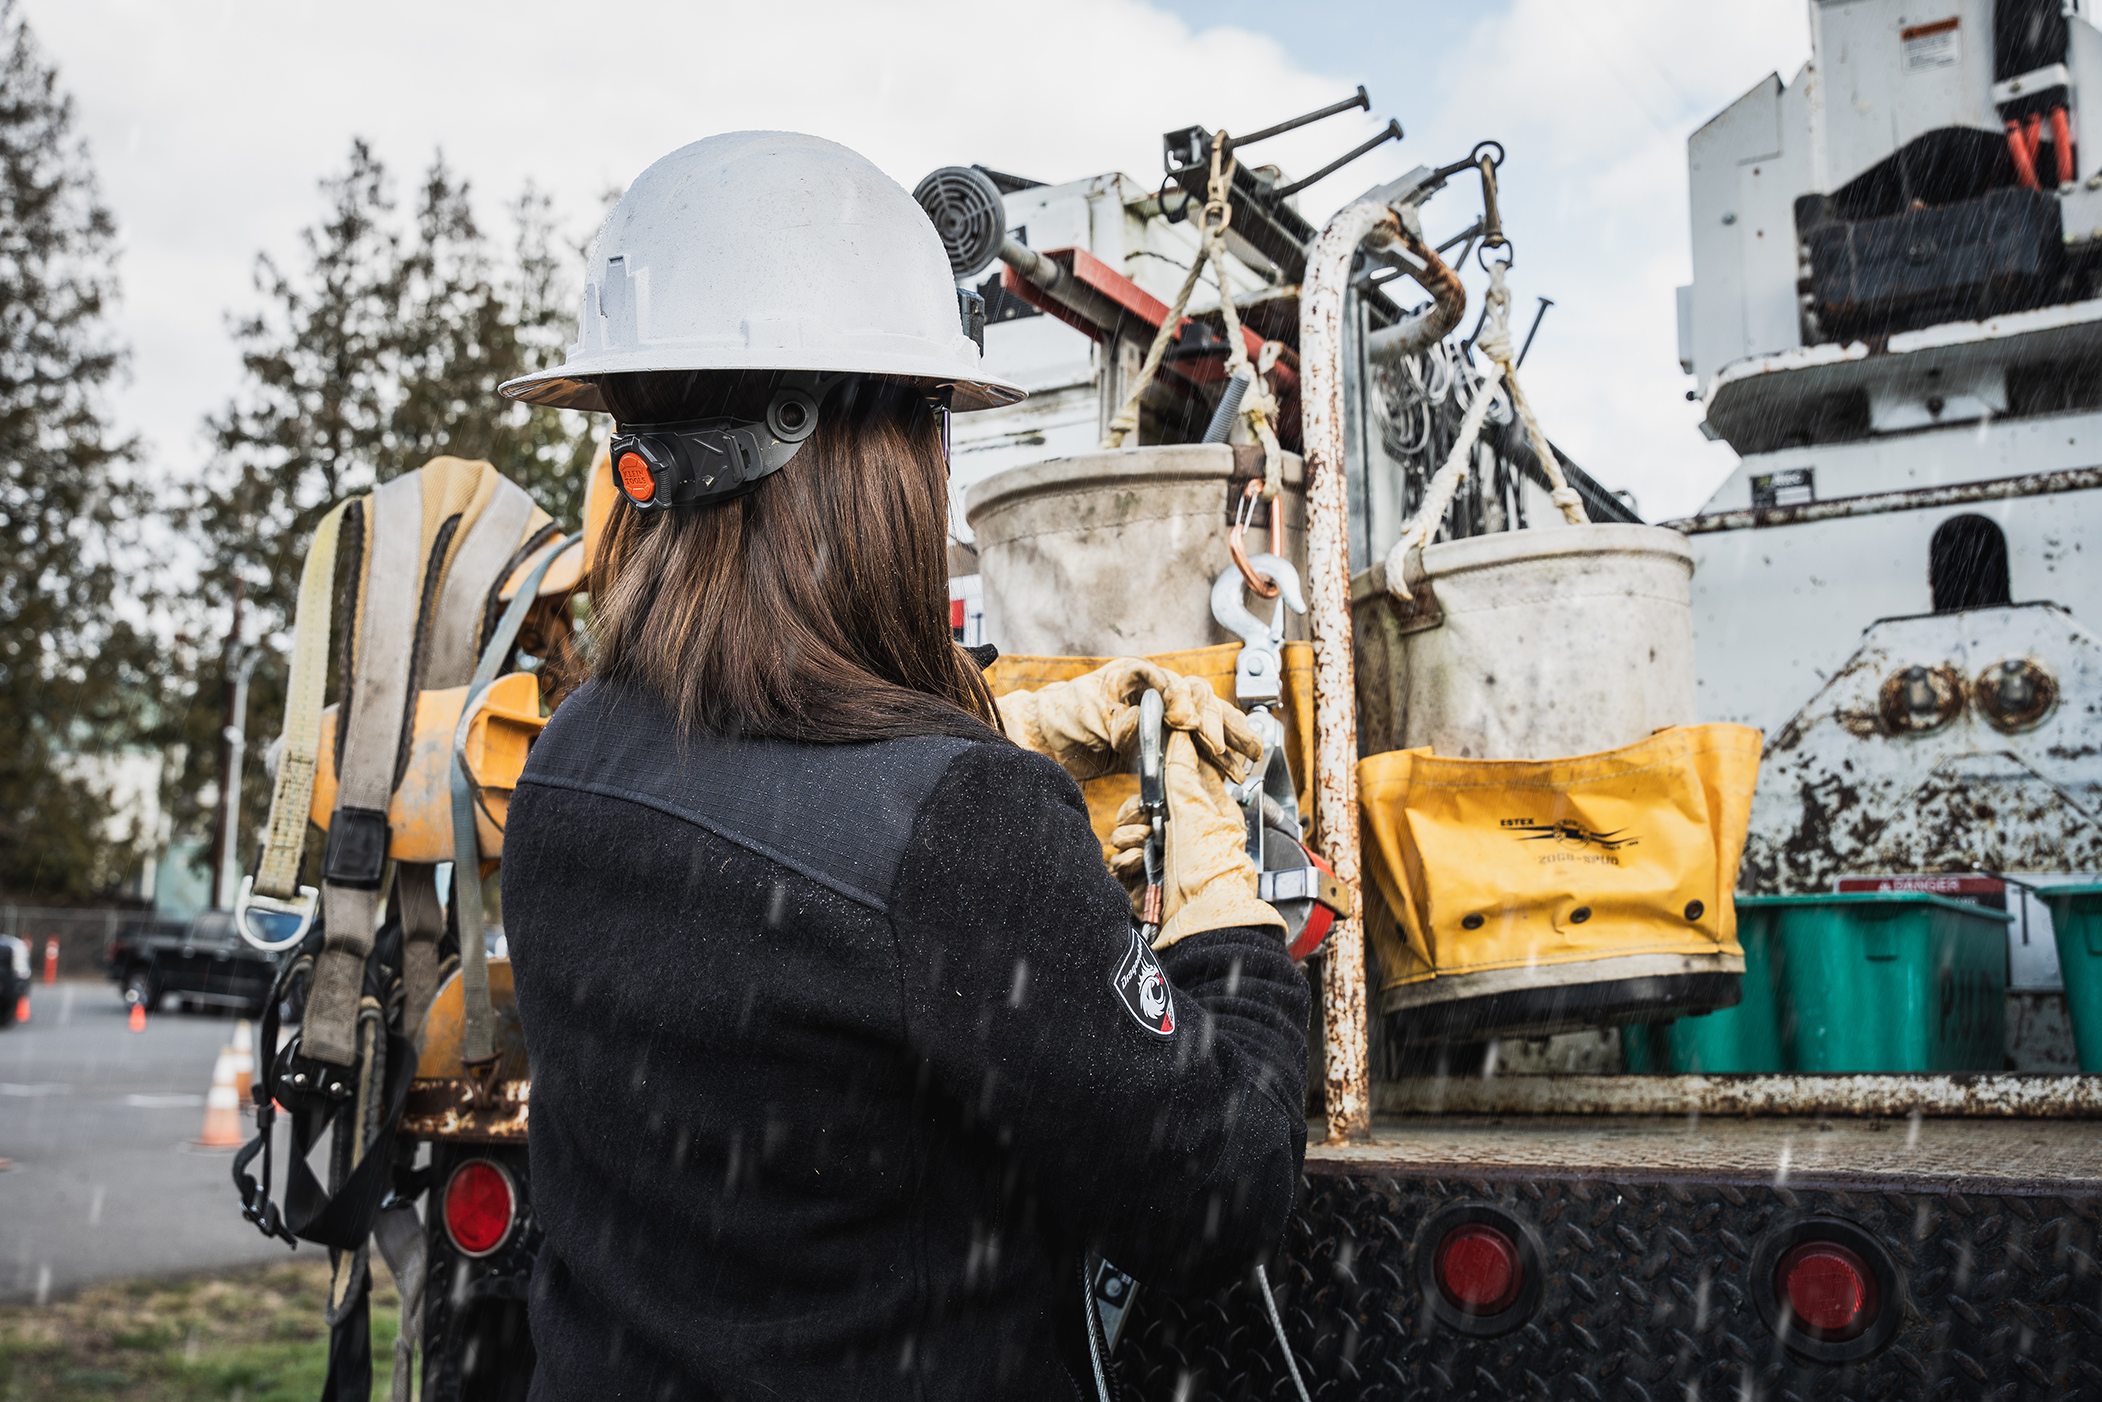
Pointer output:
x,y
844,1055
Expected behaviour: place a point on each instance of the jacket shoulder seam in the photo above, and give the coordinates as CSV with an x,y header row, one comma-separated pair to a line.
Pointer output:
x,y
738,839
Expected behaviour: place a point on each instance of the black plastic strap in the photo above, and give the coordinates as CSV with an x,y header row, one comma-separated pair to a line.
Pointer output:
x,y
345,1219
355,854
256,1205
350,1348
342,1220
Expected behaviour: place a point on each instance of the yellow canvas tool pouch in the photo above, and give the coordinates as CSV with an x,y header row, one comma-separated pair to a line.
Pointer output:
x,y
1501,864
419,817
1215,664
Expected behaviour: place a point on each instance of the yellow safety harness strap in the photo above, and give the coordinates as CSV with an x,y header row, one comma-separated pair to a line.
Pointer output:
x,y
478,1044
286,838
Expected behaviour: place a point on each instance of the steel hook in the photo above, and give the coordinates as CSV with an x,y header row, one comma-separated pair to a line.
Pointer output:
x,y
1258,666
1234,616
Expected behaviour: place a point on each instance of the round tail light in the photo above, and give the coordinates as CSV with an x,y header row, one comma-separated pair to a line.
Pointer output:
x,y
481,1203
1830,1291
1479,1269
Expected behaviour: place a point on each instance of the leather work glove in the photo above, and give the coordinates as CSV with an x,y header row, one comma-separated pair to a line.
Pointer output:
x,y
1087,725
1207,877
1221,733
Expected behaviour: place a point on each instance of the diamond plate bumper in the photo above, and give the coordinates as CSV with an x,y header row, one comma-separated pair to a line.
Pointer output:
x,y
1649,1290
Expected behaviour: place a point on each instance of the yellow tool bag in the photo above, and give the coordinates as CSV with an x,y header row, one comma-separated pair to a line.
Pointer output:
x,y
1215,664
420,822
1532,896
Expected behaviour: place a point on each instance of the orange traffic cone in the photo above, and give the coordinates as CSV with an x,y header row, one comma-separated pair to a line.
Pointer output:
x,y
222,1107
138,1017
22,1008
244,1060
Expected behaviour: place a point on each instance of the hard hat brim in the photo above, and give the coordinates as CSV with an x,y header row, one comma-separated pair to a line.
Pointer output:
x,y
575,385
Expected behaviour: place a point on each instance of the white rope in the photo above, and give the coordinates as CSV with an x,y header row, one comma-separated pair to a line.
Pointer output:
x,y
1441,376
1495,342
1424,524
1258,404
1415,413
1211,248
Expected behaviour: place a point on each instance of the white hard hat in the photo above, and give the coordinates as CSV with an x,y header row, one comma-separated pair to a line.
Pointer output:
x,y
768,250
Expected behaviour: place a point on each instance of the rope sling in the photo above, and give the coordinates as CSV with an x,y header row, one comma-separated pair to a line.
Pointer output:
x,y
1258,405
1495,343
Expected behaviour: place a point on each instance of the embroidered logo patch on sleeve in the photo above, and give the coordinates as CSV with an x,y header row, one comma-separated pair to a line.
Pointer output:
x,y
1143,987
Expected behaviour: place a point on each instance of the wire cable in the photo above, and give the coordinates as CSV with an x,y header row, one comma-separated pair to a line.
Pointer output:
x,y
1093,1322
1277,1325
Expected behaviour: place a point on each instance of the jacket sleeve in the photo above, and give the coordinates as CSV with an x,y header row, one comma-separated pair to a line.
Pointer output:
x,y
1162,1127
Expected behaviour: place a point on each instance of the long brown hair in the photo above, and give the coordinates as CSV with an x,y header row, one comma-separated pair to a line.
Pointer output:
x,y
813,608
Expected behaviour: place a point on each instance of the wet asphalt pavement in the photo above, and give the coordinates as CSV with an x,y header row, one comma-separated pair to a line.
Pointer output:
x,y
97,1120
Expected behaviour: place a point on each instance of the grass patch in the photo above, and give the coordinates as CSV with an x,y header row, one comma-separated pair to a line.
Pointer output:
x,y
253,1335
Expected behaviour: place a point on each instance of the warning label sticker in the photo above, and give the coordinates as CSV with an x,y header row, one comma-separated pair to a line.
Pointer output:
x,y
1931,46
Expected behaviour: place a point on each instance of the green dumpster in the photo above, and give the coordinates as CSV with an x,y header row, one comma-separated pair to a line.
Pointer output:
x,y
1746,1038
1872,981
2076,920
1893,981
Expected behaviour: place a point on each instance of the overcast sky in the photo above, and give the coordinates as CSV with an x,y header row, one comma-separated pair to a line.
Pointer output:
x,y
211,122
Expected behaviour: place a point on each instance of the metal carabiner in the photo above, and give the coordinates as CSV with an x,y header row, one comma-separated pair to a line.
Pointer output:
x,y
1153,804
1244,512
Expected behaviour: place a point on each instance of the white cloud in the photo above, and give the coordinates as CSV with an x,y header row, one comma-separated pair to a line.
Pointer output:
x,y
210,127
1594,103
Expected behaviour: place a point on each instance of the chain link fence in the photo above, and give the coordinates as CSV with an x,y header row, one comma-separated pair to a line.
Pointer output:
x,y
82,935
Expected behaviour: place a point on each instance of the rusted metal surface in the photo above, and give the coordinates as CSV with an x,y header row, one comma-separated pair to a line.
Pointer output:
x,y
1417,333
1347,1076
2035,484
445,1109
1844,791
1970,1154
2040,1032
1652,1291
1987,1096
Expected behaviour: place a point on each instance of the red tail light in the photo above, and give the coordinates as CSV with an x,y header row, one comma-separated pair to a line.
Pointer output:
x,y
1830,1290
1479,1269
480,1206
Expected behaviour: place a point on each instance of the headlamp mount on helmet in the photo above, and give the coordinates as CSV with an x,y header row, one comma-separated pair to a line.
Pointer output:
x,y
708,461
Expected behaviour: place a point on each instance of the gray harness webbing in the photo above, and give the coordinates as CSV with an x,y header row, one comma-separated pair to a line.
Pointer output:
x,y
379,690
476,569
437,649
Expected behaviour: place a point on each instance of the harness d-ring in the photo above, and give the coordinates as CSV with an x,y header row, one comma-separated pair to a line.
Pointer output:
x,y
1262,585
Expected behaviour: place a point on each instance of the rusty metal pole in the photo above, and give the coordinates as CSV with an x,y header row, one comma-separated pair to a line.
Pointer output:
x,y
1348,1075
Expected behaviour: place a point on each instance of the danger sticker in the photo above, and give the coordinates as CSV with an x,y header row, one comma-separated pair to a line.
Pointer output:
x,y
1931,46
1142,986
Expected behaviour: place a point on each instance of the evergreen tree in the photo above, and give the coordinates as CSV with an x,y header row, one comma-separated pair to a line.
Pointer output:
x,y
382,350
76,679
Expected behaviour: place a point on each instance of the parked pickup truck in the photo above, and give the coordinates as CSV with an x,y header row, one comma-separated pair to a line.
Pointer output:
x,y
14,976
200,961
